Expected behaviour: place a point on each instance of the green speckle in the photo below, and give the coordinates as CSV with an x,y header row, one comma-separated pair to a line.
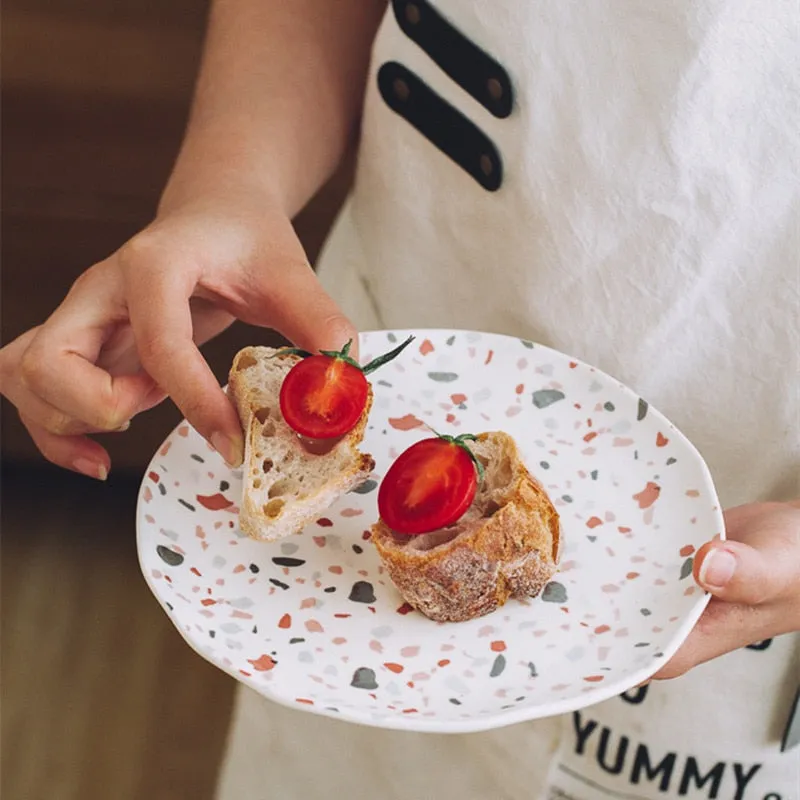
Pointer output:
x,y
443,377
366,487
566,498
686,567
609,406
527,343
391,337
455,702
645,612
671,461
532,670
364,678
544,465
546,397
498,666
169,556
555,592
642,413
593,473
451,340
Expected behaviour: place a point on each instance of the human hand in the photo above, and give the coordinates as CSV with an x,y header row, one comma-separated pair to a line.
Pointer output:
x,y
126,335
754,577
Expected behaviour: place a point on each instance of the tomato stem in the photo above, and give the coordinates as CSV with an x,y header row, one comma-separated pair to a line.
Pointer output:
x,y
461,441
378,362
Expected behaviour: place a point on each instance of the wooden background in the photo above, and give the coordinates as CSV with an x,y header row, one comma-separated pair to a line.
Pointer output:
x,y
101,698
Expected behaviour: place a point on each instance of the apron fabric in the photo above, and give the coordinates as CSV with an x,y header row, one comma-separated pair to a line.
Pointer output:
x,y
637,209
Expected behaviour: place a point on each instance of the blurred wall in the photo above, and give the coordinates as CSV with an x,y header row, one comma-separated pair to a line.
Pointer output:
x,y
95,98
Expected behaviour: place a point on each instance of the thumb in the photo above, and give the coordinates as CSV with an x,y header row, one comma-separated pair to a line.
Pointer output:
x,y
299,308
750,574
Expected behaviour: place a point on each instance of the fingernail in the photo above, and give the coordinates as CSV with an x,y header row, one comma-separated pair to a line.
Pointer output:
x,y
717,568
90,468
123,427
232,451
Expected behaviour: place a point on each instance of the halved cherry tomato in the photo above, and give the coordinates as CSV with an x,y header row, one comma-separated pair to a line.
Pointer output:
x,y
430,486
323,397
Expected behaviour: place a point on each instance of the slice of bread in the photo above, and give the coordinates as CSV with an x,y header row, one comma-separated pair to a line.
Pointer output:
x,y
506,545
288,481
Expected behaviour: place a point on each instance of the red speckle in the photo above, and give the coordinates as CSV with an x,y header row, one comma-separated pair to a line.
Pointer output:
x,y
594,678
410,710
692,493
168,579
589,436
262,664
239,568
451,418
183,431
593,522
314,626
458,399
406,423
320,541
392,667
444,662
241,671
324,522
648,495
622,529
661,440
196,572
426,347
165,449
304,700
409,652
153,476
405,609
366,536
351,512
573,364
208,601
214,502
602,629
498,646
631,575
520,388
147,494
687,550
285,621
339,640
241,614
610,588
309,602
341,616
489,357
335,570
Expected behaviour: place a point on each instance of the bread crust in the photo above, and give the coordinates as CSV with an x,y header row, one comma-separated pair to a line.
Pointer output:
x,y
512,553
247,399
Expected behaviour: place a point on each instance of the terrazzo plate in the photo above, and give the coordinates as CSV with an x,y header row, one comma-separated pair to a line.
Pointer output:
x,y
313,621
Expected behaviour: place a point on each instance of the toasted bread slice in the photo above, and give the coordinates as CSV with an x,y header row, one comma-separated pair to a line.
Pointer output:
x,y
288,482
506,545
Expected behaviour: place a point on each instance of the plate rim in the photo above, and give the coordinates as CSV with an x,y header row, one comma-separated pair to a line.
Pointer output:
x,y
478,723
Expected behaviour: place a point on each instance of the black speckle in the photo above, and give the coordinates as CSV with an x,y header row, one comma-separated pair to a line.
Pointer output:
x,y
364,678
362,592
198,458
451,340
658,655
443,377
331,708
329,589
455,702
224,486
366,487
566,498
609,406
645,612
254,569
385,383
169,606
255,629
593,473
635,455
519,699
591,538
532,669
642,412
279,584
169,556
184,503
641,644
212,634
544,465
162,488
391,337
555,592
686,567
498,666
296,640
671,461
285,561
358,549
546,397
526,343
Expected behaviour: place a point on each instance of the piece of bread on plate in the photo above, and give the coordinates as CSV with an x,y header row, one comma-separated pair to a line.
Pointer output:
x,y
288,482
506,545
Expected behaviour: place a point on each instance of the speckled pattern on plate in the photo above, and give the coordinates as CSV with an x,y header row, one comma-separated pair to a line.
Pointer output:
x,y
314,622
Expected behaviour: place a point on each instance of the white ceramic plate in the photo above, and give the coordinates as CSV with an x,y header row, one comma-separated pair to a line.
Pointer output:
x,y
313,621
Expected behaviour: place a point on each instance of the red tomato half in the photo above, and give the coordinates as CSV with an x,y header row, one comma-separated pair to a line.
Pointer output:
x,y
323,397
430,486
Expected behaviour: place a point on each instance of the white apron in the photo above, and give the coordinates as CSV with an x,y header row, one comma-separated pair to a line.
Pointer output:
x,y
638,208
